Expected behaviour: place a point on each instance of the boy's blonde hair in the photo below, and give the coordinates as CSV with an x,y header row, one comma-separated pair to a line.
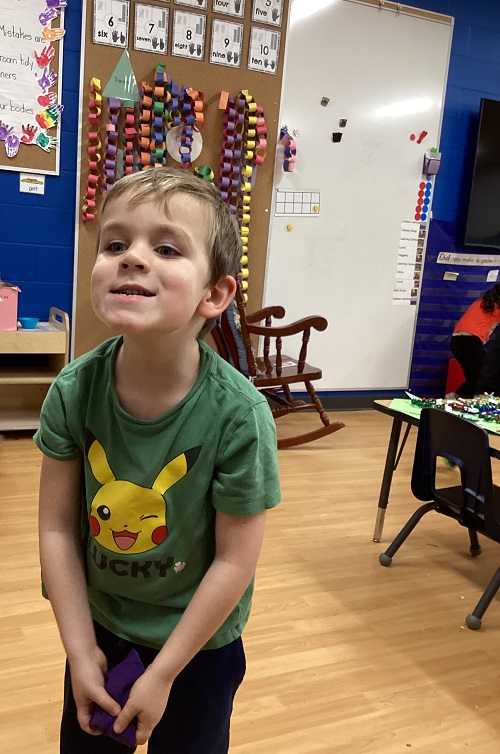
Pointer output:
x,y
223,236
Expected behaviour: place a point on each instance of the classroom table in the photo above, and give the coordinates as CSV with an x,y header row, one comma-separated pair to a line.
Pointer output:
x,y
411,420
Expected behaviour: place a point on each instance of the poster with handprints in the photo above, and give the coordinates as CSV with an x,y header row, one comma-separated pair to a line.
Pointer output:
x,y
264,50
229,7
151,28
268,11
30,110
111,23
227,39
188,39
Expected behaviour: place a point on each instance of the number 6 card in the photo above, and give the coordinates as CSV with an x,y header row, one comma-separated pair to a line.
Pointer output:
x,y
227,38
111,23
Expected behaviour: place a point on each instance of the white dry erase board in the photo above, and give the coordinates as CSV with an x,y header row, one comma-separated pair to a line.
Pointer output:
x,y
384,69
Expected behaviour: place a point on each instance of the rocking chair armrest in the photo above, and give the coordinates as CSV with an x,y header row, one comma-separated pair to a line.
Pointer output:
x,y
318,323
269,311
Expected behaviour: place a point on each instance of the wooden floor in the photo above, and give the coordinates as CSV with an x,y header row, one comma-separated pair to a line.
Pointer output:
x,y
343,655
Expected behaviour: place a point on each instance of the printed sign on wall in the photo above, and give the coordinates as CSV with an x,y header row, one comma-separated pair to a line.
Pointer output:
x,y
229,7
268,11
151,28
111,23
264,50
227,38
188,40
29,83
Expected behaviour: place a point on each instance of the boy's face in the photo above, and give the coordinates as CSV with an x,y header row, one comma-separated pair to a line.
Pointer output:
x,y
152,268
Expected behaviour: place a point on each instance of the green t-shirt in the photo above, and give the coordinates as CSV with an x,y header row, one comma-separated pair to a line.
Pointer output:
x,y
152,487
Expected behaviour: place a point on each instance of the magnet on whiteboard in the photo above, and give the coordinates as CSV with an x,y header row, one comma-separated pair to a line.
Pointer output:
x,y
342,122
289,227
324,101
316,208
336,137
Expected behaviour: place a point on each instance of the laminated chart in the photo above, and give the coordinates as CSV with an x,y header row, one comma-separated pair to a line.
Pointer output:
x,y
229,7
200,4
151,28
227,39
268,11
264,50
291,203
188,39
111,23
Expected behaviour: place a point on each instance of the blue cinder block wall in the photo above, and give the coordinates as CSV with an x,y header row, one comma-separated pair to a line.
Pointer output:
x,y
474,73
37,232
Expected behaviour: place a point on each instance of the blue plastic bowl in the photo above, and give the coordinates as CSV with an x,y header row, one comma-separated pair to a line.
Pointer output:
x,y
28,323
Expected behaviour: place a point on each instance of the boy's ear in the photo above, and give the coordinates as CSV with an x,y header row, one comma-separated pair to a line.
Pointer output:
x,y
218,297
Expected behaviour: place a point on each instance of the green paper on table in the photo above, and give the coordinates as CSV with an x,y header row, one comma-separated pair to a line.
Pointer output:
x,y
405,406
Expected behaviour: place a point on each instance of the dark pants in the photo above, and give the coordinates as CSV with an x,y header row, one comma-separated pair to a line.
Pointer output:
x,y
196,719
491,373
469,352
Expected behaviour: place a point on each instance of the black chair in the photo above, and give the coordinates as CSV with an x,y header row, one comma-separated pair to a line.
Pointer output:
x,y
474,503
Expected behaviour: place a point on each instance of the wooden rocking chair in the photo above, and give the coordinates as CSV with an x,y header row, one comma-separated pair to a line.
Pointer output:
x,y
273,374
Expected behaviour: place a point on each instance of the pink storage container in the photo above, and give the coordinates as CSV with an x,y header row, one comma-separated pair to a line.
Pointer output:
x,y
8,306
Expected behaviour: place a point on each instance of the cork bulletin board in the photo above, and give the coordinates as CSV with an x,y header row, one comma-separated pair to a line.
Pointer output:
x,y
254,69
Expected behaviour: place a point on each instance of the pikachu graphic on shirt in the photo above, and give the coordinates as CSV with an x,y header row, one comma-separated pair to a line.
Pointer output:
x,y
128,518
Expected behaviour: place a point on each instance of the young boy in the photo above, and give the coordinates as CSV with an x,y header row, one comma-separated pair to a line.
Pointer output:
x,y
159,465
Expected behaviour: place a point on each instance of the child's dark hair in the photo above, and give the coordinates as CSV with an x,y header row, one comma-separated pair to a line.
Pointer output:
x,y
491,299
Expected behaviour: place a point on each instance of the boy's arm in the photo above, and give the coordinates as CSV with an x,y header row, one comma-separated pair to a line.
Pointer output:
x,y
63,574
238,544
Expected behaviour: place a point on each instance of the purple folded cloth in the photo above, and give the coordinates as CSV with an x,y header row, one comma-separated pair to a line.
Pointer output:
x,y
118,682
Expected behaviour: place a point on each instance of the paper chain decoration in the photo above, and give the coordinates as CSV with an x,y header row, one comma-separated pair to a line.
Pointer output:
x,y
145,125
93,150
111,144
162,97
191,107
129,135
166,107
243,148
290,153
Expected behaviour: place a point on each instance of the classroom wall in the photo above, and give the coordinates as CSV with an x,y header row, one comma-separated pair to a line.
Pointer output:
x,y
36,249
474,73
37,232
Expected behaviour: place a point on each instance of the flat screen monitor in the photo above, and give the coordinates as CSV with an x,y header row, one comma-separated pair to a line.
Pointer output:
x,y
483,218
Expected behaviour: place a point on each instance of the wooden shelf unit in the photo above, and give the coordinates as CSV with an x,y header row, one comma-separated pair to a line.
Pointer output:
x,y
30,360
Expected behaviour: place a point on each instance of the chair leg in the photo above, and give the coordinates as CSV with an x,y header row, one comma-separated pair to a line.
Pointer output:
x,y
473,620
317,404
475,548
385,558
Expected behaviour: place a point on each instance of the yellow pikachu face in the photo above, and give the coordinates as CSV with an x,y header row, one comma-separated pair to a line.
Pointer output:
x,y
125,517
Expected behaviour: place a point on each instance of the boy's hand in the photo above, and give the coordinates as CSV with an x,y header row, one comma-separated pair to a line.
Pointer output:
x,y
147,701
87,680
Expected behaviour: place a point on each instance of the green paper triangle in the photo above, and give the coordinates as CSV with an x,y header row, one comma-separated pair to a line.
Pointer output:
x,y
122,83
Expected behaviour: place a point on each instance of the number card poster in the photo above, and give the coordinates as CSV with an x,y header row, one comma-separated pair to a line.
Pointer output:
x,y
151,28
188,39
264,50
229,7
227,39
111,23
268,11
200,4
